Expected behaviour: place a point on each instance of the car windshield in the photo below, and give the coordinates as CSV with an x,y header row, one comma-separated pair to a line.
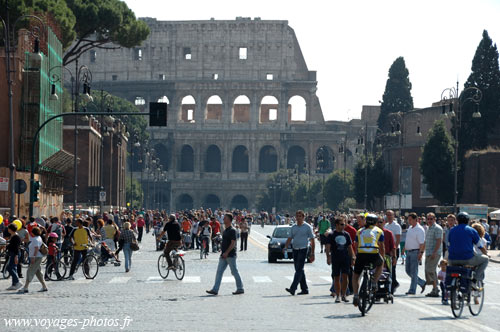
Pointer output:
x,y
282,232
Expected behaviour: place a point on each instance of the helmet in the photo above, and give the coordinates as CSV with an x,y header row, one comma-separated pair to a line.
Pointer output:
x,y
463,218
371,219
53,235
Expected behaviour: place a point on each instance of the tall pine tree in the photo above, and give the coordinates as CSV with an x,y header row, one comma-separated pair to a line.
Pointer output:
x,y
397,96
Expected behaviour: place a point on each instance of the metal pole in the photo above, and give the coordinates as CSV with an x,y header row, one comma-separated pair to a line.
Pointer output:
x,y
401,163
101,163
75,163
458,123
366,166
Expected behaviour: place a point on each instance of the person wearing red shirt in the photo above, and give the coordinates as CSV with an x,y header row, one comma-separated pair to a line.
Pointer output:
x,y
215,225
349,229
140,226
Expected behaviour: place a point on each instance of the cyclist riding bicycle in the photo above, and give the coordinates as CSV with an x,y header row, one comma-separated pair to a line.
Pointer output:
x,y
461,241
173,230
369,249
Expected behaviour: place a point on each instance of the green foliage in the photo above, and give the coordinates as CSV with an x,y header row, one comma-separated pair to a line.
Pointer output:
x,y
379,182
135,194
436,163
100,22
397,95
337,190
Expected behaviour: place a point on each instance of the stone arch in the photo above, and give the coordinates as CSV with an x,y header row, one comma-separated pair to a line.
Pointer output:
x,y
241,109
187,159
268,111
163,99
211,202
240,159
213,159
162,152
297,109
187,109
325,160
184,202
268,159
239,202
296,157
214,108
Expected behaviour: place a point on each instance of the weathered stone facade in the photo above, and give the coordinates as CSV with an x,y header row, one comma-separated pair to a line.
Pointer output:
x,y
231,87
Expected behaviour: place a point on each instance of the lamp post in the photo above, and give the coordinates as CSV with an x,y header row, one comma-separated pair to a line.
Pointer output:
x,y
10,42
320,167
470,94
343,150
106,101
362,142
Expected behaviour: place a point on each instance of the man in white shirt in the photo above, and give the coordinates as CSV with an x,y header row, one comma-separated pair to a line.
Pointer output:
x,y
414,249
395,228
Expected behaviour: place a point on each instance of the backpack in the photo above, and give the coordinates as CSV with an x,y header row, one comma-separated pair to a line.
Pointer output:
x,y
44,250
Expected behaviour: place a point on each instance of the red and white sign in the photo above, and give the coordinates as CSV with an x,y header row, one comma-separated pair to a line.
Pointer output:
x,y
4,184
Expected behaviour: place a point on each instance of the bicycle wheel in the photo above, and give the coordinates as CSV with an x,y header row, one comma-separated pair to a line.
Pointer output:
x,y
457,301
54,268
67,259
5,271
363,296
476,300
90,267
201,251
179,268
163,266
371,295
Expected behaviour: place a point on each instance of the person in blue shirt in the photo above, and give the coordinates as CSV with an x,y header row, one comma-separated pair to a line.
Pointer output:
x,y
461,241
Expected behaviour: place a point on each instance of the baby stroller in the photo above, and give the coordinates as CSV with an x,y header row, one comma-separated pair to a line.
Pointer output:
x,y
107,254
384,290
186,241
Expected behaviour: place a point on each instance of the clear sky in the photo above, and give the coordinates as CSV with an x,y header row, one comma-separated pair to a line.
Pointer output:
x,y
352,43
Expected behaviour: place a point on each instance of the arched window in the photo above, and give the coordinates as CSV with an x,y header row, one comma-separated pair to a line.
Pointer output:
x,y
239,202
296,158
214,108
188,106
268,109
139,101
164,99
240,159
213,159
211,202
187,159
296,109
268,159
241,109
184,202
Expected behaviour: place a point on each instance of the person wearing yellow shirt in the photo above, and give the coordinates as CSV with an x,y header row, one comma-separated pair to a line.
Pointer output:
x,y
80,237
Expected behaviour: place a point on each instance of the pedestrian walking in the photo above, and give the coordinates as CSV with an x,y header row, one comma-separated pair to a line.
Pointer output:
x,y
433,249
13,253
414,249
127,236
244,234
228,257
35,257
493,234
323,226
300,234
140,227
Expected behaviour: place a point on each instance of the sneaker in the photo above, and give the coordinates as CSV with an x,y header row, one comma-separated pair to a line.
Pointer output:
x,y
355,300
13,287
423,288
43,290
22,291
18,285
432,294
238,292
445,302
71,278
410,293
211,292
344,299
337,299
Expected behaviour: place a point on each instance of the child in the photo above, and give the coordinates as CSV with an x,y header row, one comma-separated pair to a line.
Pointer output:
x,y
442,278
51,256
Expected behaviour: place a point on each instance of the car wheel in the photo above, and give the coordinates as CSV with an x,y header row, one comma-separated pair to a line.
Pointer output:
x,y
271,258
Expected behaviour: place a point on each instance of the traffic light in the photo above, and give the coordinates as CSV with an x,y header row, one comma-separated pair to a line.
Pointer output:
x,y
36,191
157,114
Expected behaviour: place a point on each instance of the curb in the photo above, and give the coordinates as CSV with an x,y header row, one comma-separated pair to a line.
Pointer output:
x,y
495,260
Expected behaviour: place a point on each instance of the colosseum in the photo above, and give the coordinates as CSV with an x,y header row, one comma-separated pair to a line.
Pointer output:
x,y
242,104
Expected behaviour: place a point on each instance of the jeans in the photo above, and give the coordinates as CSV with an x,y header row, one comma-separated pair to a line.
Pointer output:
x,y
128,255
77,254
444,292
223,263
480,261
12,268
299,260
244,240
140,230
411,268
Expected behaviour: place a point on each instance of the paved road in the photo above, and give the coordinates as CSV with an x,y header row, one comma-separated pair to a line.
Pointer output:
x,y
140,301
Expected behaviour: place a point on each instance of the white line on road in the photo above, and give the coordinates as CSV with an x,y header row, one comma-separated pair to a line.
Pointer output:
x,y
191,279
261,279
82,281
227,279
326,278
154,279
119,280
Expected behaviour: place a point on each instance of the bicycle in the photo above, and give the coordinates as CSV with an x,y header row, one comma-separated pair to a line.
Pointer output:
x,y
463,287
177,263
204,247
367,291
57,270
90,263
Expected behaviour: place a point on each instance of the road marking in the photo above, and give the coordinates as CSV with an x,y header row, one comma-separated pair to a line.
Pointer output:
x,y
119,280
82,281
261,279
192,279
227,279
326,278
154,279
257,242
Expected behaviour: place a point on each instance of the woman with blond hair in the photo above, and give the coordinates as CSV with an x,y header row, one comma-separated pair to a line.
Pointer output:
x,y
482,241
127,236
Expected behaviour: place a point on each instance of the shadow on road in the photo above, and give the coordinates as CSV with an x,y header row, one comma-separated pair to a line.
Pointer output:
x,y
343,316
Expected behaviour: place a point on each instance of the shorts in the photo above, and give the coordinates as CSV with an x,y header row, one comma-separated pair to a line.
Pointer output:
x,y
341,266
363,260
322,239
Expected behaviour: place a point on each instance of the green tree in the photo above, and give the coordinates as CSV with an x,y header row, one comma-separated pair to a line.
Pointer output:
x,y
397,95
337,190
378,183
436,163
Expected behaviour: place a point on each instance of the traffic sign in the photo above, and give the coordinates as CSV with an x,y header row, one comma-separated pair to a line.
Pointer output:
x,y
20,186
102,196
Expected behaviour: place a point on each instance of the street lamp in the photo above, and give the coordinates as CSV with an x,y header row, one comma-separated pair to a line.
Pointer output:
x,y
321,167
470,94
134,143
10,42
362,142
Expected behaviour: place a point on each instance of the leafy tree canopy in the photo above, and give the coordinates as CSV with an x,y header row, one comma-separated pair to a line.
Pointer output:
x,y
337,190
379,182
